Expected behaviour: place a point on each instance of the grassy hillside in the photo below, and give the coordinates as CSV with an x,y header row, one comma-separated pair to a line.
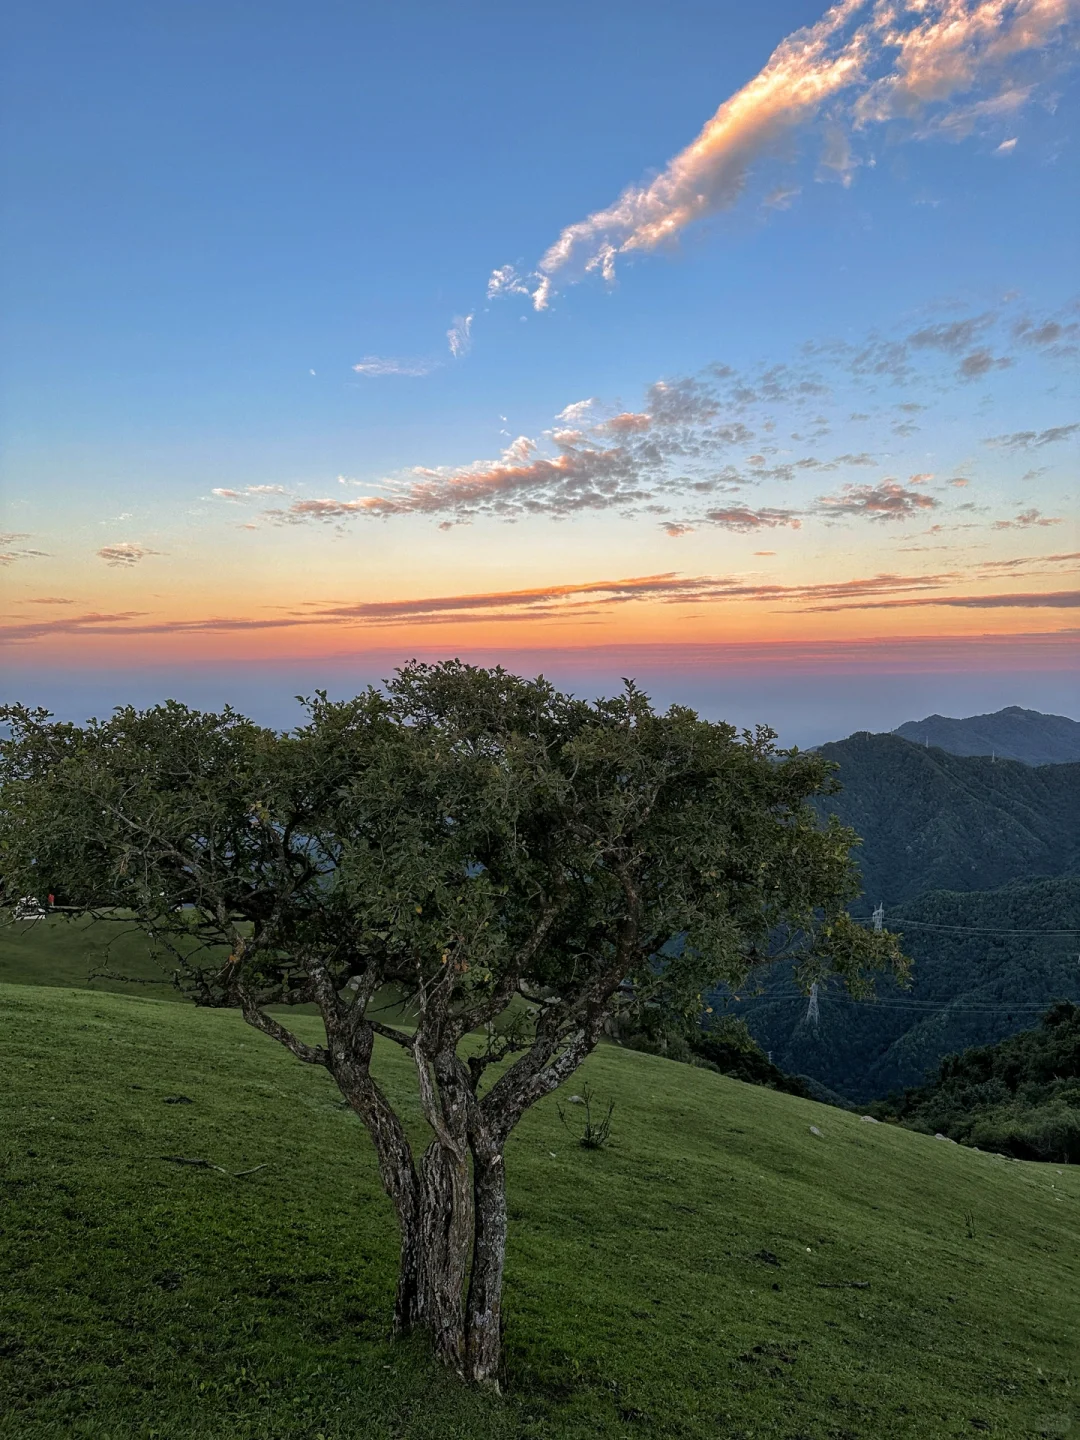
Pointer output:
x,y
693,1280
1011,734
970,985
933,821
59,951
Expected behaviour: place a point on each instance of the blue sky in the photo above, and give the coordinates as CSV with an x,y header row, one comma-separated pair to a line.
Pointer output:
x,y
214,213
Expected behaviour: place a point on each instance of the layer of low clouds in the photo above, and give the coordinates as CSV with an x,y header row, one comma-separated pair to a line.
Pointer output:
x,y
942,69
719,449
593,598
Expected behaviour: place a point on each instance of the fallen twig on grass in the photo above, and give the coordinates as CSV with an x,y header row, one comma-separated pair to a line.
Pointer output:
x,y
843,1284
209,1165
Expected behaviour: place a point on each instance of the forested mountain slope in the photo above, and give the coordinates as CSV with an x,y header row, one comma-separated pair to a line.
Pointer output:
x,y
934,821
986,964
1020,1097
1010,734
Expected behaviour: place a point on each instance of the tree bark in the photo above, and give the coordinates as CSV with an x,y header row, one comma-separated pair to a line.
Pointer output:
x,y
398,1175
484,1305
407,1302
445,1231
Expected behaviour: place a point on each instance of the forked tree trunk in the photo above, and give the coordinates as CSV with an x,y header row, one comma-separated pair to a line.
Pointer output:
x,y
449,1212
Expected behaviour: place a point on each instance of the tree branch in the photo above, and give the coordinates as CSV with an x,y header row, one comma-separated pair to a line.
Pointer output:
x,y
399,1037
260,1020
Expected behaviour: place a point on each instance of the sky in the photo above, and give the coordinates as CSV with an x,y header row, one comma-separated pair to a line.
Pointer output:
x,y
732,348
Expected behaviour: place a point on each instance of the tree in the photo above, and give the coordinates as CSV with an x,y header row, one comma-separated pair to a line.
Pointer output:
x,y
515,859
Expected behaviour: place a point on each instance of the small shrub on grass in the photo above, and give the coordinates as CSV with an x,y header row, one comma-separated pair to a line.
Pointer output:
x,y
596,1133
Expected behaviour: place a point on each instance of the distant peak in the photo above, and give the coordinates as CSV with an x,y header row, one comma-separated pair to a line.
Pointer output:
x,y
1012,733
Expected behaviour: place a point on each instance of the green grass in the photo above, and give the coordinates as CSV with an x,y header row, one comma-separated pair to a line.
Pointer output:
x,y
68,952
670,1285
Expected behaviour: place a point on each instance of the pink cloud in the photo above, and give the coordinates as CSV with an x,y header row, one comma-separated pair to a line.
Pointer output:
x,y
628,423
741,518
1026,519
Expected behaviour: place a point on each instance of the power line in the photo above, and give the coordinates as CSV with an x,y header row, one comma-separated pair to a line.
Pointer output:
x,y
926,1007
903,924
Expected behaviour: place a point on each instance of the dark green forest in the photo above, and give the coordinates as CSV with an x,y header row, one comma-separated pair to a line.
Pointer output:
x,y
1020,1097
969,986
934,821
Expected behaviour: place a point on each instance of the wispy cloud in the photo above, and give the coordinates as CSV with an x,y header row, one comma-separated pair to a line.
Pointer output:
x,y
1038,600
389,365
126,553
939,67
10,557
1028,562
1033,439
972,347
590,597
506,281
459,336
249,492
11,551
1054,334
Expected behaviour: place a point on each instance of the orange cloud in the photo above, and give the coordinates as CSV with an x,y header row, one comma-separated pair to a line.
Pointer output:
x,y
862,63
549,601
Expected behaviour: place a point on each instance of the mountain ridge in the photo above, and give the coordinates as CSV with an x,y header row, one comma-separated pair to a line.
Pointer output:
x,y
930,820
1029,736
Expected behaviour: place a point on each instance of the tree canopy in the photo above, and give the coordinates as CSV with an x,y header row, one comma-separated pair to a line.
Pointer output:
x,y
518,861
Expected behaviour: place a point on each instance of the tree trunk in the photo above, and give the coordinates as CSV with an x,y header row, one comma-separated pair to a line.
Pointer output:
x,y
398,1175
484,1305
407,1302
445,1232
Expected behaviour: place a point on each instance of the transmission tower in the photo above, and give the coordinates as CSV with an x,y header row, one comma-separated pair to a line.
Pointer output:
x,y
813,1015
879,917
